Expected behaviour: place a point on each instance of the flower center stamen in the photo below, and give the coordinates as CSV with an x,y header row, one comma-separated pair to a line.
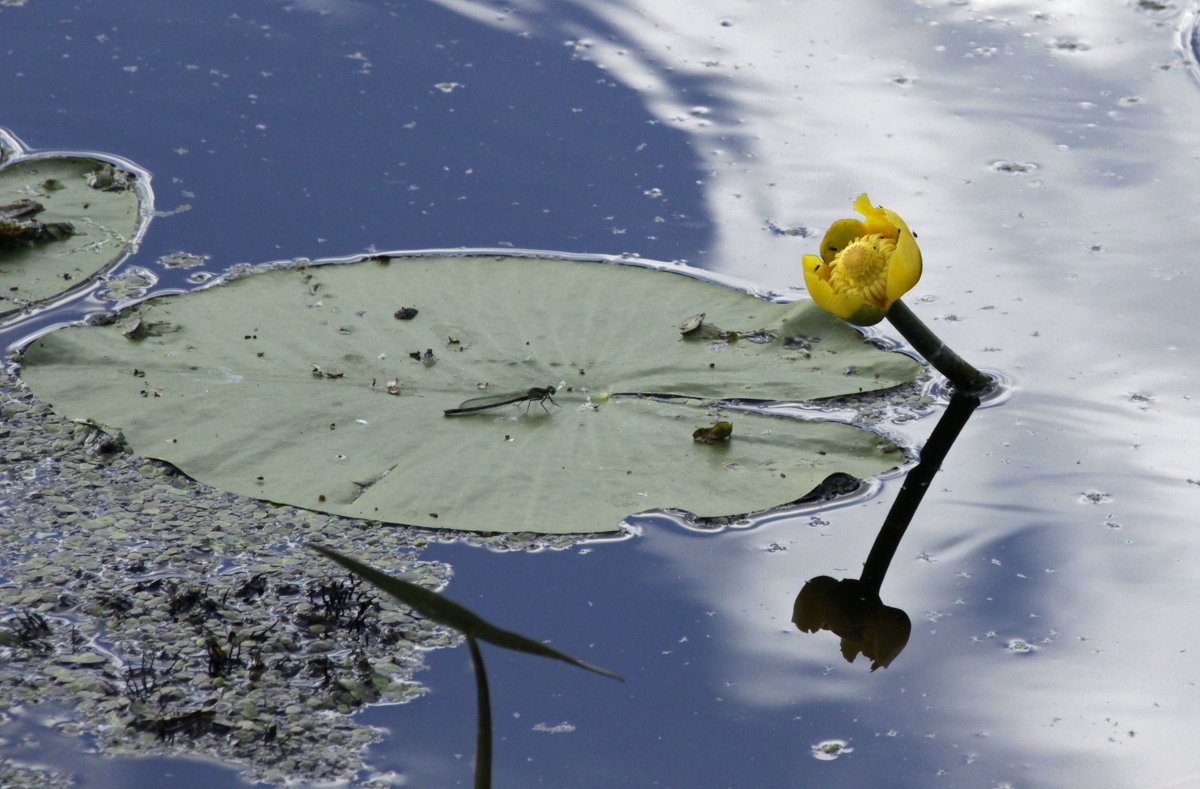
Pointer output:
x,y
862,268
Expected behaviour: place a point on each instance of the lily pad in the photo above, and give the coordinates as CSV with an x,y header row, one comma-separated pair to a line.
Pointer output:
x,y
98,201
326,387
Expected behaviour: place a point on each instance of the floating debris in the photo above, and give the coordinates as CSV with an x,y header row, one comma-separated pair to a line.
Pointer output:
x,y
1012,168
19,228
326,372
107,178
692,324
718,432
140,329
829,750
182,260
132,283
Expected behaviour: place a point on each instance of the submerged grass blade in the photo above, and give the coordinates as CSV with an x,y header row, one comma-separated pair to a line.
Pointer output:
x,y
483,730
440,609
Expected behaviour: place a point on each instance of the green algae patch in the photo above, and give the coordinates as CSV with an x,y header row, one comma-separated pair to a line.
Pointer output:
x,y
158,616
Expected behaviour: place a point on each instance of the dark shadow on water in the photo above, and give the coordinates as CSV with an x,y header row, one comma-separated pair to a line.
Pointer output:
x,y
851,608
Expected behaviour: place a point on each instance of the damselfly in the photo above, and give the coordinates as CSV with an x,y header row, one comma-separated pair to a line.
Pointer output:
x,y
537,394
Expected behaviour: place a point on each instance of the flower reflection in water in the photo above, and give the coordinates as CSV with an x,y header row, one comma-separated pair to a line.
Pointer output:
x,y
851,610
851,607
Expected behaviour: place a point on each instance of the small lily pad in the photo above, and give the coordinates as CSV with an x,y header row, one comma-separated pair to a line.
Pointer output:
x,y
301,386
88,213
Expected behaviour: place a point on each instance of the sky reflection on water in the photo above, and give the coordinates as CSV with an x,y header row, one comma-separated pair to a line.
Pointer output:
x,y
1061,519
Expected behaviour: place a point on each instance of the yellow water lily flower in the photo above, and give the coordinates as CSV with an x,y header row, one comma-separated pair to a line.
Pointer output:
x,y
864,267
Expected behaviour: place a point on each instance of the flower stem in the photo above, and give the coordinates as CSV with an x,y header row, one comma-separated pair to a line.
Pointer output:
x,y
957,370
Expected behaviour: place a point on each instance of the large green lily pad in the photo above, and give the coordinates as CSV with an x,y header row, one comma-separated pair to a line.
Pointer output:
x,y
99,200
314,387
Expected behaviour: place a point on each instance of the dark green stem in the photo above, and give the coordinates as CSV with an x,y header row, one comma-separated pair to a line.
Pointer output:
x,y
957,370
483,729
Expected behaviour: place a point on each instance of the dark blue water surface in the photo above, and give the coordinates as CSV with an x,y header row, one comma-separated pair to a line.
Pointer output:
x,y
292,133
1047,154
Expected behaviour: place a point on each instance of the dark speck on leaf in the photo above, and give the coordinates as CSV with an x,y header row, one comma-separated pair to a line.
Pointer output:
x,y
405,313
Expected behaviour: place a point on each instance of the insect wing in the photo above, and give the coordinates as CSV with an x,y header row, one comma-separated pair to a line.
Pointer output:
x,y
490,401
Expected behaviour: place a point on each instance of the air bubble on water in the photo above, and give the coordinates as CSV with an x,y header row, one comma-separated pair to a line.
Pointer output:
x,y
828,750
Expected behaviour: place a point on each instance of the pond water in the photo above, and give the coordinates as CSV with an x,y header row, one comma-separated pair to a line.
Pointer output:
x,y
1045,152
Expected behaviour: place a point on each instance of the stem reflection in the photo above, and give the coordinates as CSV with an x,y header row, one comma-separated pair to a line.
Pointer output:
x,y
851,607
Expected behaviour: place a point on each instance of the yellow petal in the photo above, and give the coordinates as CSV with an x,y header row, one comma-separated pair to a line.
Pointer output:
x,y
839,236
816,280
904,269
879,219
852,307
